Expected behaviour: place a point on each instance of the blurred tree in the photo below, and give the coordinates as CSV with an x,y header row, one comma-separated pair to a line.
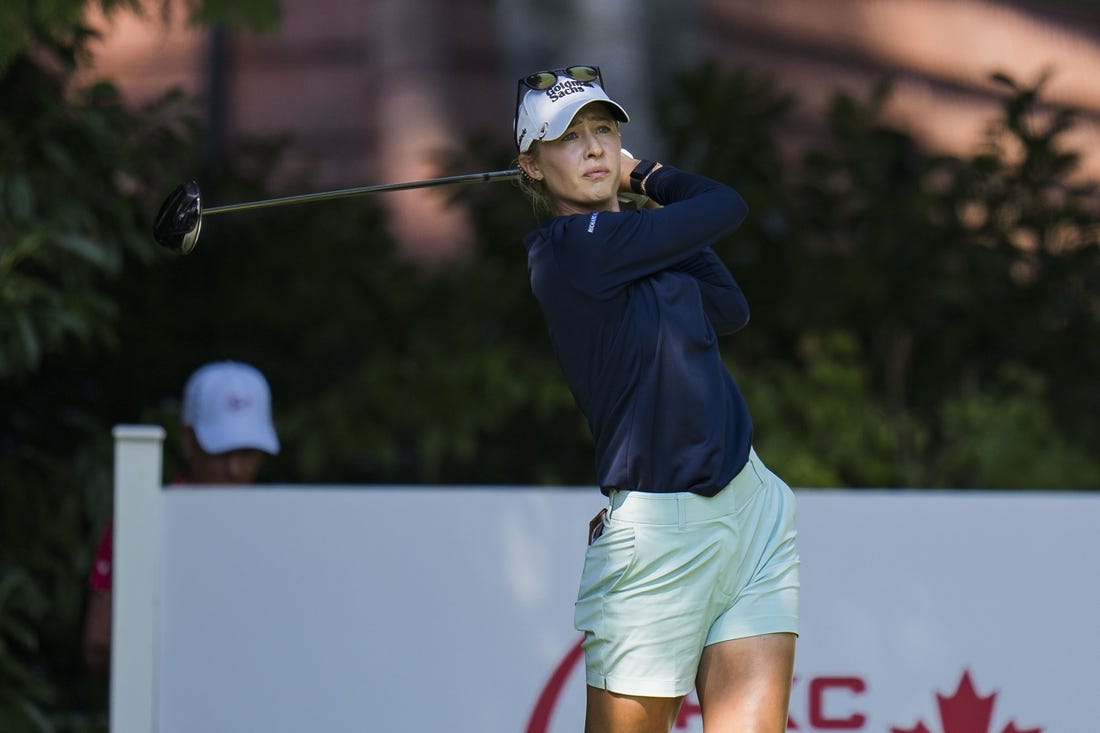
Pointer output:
x,y
71,203
821,418
1007,436
1028,287
80,176
33,25
873,256
724,124
941,269
947,268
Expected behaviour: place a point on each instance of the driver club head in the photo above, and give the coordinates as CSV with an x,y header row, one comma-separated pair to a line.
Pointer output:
x,y
180,218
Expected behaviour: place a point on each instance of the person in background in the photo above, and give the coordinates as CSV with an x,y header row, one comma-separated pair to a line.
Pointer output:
x,y
226,430
690,577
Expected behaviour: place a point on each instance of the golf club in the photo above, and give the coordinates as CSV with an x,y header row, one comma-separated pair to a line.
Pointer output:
x,y
180,217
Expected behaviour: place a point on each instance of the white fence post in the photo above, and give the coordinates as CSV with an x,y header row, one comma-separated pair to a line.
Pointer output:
x,y
136,577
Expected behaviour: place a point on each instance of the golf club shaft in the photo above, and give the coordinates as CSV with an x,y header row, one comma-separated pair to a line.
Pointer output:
x,y
360,190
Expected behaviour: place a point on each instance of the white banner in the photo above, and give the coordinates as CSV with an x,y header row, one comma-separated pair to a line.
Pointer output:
x,y
340,609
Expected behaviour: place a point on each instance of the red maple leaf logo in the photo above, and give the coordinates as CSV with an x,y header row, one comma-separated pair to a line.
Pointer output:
x,y
966,712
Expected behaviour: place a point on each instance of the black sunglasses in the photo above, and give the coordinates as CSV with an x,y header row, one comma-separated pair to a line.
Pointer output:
x,y
542,80
545,79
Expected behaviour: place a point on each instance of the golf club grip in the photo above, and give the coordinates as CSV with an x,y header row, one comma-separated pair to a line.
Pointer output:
x,y
502,175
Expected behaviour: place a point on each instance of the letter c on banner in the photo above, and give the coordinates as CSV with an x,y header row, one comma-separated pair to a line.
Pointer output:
x,y
818,686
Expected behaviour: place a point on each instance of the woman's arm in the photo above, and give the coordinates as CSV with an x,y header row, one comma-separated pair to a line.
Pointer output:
x,y
608,250
723,301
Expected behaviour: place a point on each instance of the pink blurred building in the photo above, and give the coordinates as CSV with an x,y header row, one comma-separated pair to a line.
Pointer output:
x,y
372,90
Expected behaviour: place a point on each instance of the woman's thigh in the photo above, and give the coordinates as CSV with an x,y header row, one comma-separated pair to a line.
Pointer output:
x,y
744,685
612,712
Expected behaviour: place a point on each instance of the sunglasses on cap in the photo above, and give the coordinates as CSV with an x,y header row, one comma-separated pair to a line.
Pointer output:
x,y
543,80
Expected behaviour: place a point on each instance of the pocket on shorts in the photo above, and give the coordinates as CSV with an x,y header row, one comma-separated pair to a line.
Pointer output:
x,y
606,562
780,553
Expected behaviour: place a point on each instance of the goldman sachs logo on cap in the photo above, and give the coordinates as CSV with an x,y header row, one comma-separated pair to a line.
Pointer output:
x,y
564,88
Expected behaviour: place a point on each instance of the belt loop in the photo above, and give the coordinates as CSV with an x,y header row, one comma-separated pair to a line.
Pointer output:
x,y
681,510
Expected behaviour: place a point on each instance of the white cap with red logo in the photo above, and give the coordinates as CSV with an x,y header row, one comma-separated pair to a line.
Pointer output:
x,y
228,405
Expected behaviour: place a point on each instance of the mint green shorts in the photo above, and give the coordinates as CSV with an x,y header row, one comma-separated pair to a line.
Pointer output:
x,y
669,574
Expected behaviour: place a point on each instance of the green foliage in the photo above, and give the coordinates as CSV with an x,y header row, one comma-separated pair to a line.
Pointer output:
x,y
73,211
261,15
46,520
74,197
723,124
22,606
72,207
1034,263
873,253
1006,436
938,269
54,24
820,421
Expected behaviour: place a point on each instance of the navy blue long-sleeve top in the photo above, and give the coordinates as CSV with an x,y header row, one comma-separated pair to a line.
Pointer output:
x,y
634,302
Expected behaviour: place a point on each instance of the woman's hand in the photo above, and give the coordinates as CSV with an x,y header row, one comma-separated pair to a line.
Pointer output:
x,y
628,163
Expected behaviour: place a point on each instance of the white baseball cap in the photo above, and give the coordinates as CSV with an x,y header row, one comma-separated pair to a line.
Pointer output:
x,y
545,114
228,405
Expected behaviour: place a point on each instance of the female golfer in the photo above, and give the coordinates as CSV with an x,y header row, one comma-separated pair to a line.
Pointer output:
x,y
691,574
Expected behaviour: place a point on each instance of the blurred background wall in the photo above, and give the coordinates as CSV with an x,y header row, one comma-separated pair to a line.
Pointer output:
x,y
375,90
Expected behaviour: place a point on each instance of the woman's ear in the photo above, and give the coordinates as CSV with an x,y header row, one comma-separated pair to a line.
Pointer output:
x,y
529,166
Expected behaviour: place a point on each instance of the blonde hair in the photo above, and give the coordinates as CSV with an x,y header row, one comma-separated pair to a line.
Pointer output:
x,y
535,190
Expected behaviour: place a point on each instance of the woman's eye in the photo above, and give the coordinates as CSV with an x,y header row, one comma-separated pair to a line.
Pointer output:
x,y
569,136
